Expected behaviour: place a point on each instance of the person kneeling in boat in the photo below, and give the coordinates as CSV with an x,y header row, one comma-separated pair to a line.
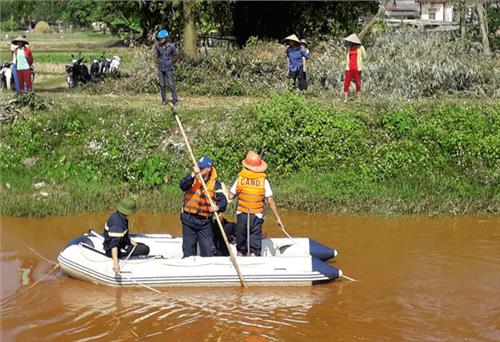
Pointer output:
x,y
117,242
252,189
197,212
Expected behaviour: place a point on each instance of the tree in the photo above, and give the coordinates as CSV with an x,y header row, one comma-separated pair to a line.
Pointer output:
x,y
483,26
373,21
189,34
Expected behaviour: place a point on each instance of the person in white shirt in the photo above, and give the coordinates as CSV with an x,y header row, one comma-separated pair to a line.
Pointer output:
x,y
252,190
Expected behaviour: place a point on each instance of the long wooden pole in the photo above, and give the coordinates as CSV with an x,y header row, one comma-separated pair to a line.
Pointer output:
x,y
202,181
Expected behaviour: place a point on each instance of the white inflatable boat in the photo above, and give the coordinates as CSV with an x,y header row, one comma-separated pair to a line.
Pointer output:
x,y
283,263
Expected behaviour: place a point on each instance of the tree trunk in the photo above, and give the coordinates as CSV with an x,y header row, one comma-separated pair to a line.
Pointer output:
x,y
368,26
189,34
462,19
483,26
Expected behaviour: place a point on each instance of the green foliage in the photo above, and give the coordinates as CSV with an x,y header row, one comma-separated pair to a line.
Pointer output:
x,y
295,135
393,158
9,25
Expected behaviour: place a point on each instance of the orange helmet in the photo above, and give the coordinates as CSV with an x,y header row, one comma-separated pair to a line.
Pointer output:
x,y
254,162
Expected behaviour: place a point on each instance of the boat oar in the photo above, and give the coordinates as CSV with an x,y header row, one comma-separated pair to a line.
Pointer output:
x,y
205,189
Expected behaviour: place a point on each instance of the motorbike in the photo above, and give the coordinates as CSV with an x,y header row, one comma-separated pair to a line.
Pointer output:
x,y
114,67
77,72
6,79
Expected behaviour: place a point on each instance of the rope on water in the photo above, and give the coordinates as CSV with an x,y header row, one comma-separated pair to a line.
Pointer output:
x,y
7,299
349,278
41,256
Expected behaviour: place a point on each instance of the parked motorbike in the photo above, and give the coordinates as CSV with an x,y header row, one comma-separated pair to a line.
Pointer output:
x,y
114,67
77,72
6,79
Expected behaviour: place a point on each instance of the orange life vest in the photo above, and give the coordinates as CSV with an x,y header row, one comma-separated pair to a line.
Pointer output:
x,y
251,192
195,200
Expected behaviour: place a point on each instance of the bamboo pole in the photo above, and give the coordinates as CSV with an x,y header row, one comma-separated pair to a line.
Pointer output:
x,y
204,185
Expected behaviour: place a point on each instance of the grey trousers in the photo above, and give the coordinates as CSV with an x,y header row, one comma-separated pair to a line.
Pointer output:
x,y
165,76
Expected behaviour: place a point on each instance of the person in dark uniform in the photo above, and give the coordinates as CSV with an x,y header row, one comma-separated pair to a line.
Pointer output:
x,y
117,242
229,229
196,210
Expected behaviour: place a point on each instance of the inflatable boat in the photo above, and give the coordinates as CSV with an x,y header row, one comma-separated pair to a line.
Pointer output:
x,y
284,262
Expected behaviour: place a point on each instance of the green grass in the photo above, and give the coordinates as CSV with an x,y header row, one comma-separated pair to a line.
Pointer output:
x,y
134,135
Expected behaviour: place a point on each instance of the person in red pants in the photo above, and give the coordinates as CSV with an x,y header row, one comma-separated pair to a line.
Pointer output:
x,y
354,64
24,60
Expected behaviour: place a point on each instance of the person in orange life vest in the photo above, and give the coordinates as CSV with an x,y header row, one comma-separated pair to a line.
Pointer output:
x,y
354,63
252,189
23,60
197,212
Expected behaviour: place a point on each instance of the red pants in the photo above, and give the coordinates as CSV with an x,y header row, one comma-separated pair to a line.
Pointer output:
x,y
24,76
349,75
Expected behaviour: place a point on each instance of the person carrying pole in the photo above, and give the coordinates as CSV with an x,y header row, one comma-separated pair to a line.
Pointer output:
x,y
210,201
252,189
197,211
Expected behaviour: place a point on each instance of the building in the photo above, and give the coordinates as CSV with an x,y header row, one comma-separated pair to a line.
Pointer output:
x,y
420,13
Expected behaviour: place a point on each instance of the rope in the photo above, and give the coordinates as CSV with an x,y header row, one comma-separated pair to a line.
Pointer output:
x,y
6,300
139,283
349,278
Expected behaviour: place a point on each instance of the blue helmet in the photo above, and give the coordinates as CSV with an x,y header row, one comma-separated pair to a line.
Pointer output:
x,y
162,34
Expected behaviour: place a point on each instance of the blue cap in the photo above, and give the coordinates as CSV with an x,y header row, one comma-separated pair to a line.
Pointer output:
x,y
162,34
204,162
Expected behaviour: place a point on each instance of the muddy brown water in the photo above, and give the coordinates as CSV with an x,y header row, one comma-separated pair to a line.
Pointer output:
x,y
420,279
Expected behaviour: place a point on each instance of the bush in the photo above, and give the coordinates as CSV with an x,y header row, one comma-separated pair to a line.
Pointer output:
x,y
9,25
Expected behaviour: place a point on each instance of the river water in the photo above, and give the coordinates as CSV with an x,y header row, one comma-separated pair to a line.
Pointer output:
x,y
420,279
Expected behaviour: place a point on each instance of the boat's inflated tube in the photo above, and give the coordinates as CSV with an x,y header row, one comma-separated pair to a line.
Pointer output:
x,y
79,240
328,271
321,251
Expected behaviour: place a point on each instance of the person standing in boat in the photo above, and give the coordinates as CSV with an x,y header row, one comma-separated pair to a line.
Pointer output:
x,y
117,242
196,215
252,189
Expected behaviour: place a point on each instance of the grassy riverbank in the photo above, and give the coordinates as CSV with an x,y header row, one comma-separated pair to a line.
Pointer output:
x,y
397,158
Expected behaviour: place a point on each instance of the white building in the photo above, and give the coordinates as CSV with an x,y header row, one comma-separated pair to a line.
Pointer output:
x,y
436,10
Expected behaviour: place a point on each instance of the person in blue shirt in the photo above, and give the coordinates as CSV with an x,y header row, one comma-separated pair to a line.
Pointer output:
x,y
117,242
165,58
295,53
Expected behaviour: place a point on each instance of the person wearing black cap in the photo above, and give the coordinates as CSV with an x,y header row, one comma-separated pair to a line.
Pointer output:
x,y
117,242
197,212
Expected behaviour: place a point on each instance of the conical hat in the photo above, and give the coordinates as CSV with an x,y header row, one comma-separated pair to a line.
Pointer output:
x,y
293,38
19,39
353,38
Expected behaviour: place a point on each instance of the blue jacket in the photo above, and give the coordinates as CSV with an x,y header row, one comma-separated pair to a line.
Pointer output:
x,y
295,58
164,55
116,232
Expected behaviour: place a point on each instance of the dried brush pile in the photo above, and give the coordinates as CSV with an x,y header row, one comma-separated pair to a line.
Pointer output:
x,y
412,65
399,65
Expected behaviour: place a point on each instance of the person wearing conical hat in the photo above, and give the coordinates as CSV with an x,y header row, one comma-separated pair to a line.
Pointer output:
x,y
23,60
354,63
252,190
295,53
117,243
